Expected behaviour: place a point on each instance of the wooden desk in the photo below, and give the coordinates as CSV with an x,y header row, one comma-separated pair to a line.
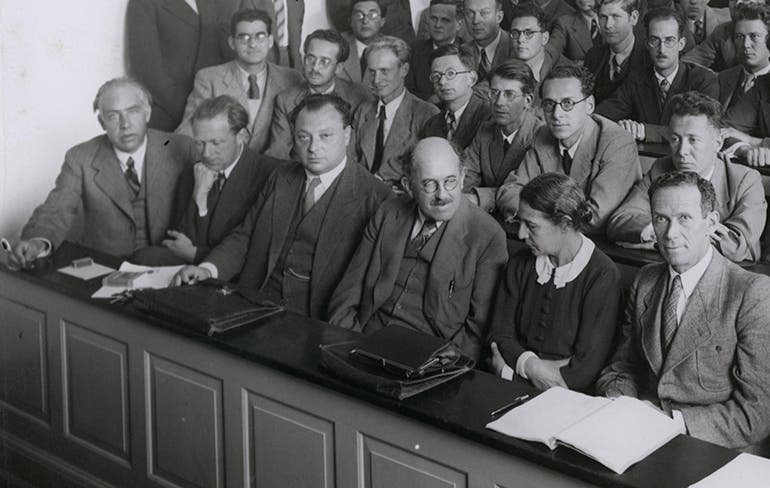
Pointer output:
x,y
107,396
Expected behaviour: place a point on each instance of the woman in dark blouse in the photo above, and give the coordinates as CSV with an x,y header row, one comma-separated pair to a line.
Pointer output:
x,y
557,303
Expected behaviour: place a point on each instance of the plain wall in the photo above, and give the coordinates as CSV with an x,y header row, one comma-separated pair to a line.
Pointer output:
x,y
54,54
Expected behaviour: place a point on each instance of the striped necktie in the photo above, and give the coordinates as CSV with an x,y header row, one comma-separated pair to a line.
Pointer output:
x,y
451,124
670,322
131,176
663,91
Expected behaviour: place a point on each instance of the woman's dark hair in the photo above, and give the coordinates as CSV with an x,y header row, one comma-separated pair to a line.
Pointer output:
x,y
559,198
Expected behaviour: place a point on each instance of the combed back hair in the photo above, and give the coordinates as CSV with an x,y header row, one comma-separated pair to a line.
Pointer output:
x,y
396,45
407,158
664,13
251,15
457,4
498,4
317,101
332,36
530,9
122,81
696,103
237,115
559,198
580,73
627,5
752,11
380,4
708,199
465,54
516,70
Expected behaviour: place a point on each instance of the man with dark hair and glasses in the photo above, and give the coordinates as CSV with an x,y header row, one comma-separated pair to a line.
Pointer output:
x,y
250,78
501,143
325,51
428,261
453,77
367,17
594,151
529,38
640,104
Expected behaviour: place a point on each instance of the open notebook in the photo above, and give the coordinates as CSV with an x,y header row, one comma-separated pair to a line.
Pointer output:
x,y
616,432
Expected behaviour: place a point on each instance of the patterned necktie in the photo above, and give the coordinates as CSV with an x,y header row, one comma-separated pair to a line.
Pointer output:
x,y
428,228
566,161
253,88
596,39
699,33
451,124
310,200
616,68
670,322
663,91
280,23
379,141
484,65
131,176
748,81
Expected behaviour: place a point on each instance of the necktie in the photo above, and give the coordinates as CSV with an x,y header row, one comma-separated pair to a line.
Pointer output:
x,y
595,37
484,65
748,81
699,32
616,68
670,322
379,141
566,161
663,91
253,88
309,201
131,176
216,191
451,124
506,145
280,23
428,228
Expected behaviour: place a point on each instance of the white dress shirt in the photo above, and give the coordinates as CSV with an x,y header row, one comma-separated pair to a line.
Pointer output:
x,y
390,112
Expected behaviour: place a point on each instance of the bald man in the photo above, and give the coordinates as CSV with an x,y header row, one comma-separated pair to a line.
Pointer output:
x,y
428,261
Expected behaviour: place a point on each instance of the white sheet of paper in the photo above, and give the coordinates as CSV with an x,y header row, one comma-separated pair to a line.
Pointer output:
x,y
86,272
156,277
745,471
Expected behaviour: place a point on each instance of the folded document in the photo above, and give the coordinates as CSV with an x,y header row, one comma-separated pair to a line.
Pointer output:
x,y
616,432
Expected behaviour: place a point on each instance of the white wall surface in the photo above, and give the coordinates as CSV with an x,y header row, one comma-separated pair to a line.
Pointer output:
x,y
54,54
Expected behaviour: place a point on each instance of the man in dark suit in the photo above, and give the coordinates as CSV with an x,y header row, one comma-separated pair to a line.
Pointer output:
x,y
500,144
696,141
491,44
250,78
168,42
366,20
529,38
751,36
443,24
429,262
592,150
640,104
621,53
214,195
574,34
696,342
463,111
700,19
120,185
385,129
298,238
325,51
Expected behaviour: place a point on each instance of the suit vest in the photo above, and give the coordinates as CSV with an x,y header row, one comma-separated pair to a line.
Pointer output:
x,y
139,211
290,279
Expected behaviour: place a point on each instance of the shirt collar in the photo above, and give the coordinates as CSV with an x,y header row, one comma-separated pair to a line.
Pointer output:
x,y
566,272
570,150
360,48
392,106
692,276
625,53
509,138
459,112
325,92
492,47
670,77
231,166
260,77
138,157
419,221
760,72
327,178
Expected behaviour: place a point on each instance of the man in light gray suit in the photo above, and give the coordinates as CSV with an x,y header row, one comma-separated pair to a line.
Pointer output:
x,y
250,78
696,343
120,184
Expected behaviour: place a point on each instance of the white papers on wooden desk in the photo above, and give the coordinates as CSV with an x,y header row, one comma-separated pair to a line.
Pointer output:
x,y
86,272
615,432
154,277
745,471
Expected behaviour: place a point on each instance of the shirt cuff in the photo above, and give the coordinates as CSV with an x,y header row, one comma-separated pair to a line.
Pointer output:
x,y
211,269
679,419
507,373
520,363
48,246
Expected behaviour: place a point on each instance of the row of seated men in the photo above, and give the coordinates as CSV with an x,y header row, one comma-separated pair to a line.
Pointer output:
x,y
331,241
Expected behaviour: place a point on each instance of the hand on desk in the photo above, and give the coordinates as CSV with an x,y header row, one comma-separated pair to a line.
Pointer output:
x,y
189,275
635,128
544,373
180,245
26,252
496,362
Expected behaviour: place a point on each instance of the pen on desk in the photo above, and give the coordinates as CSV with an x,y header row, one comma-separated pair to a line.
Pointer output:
x,y
515,403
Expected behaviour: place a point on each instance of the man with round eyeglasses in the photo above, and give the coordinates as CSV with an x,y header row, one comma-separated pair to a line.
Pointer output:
x,y
250,78
429,260
529,38
463,111
500,144
640,105
594,151
325,51
367,17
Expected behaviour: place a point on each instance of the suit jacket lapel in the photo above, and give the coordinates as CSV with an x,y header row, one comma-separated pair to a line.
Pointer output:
x,y
159,179
109,177
286,194
650,321
582,162
235,191
233,84
399,129
368,132
721,188
265,112
392,238
732,78
496,158
582,35
183,11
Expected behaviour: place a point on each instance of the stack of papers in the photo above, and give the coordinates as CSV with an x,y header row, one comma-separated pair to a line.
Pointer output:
x,y
87,272
154,277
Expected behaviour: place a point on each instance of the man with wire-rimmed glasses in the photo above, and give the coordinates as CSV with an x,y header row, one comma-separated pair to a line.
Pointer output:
x,y
428,261
592,150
